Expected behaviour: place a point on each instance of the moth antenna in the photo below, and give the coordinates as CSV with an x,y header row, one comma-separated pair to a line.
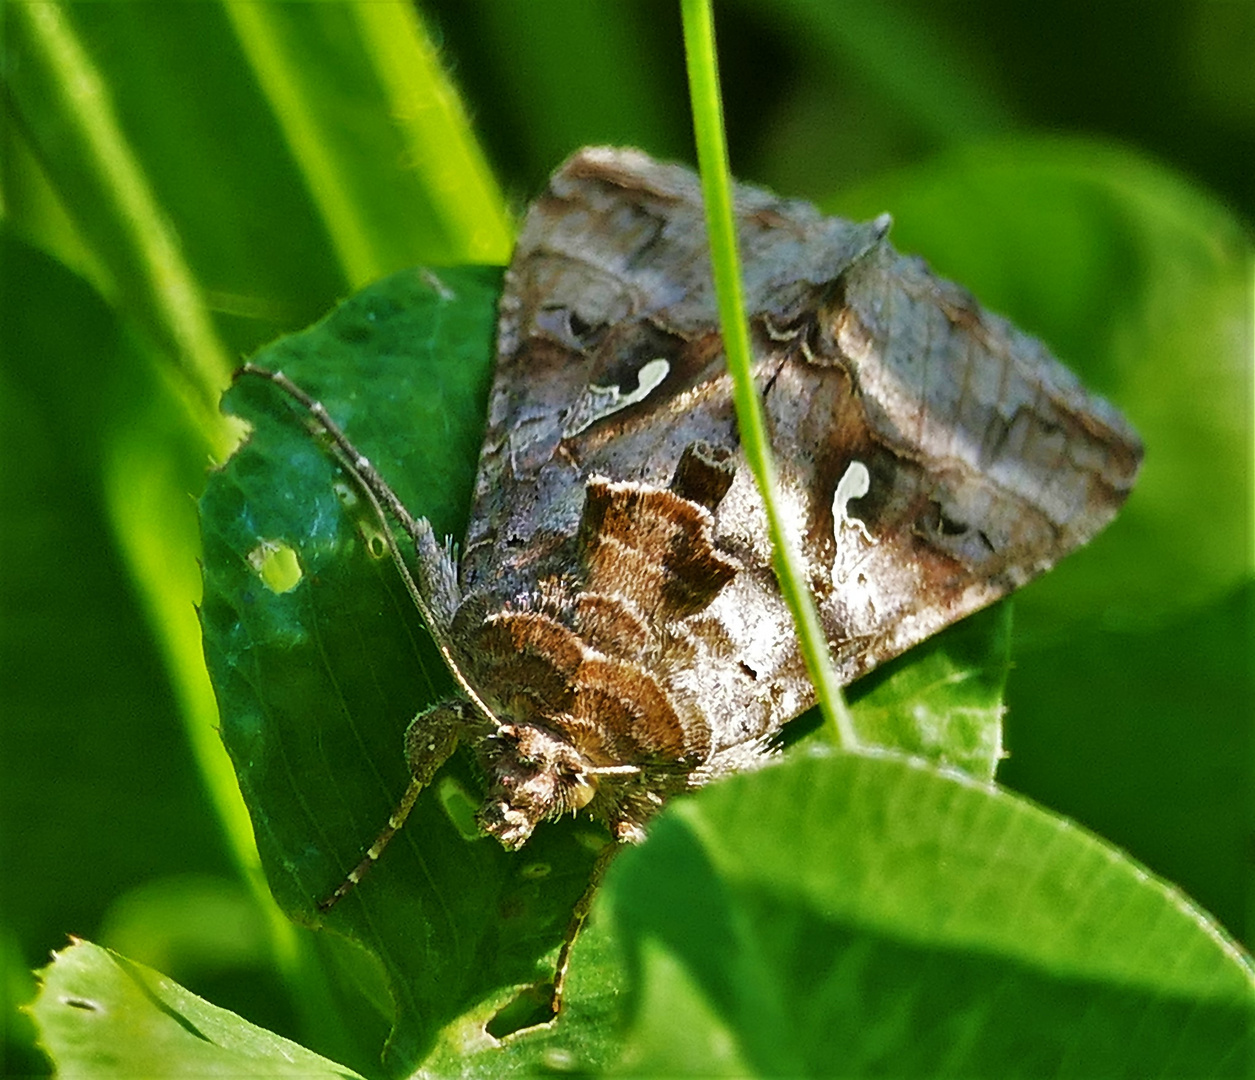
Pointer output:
x,y
435,594
395,821
356,462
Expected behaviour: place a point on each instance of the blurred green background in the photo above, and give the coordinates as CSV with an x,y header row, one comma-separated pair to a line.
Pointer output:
x,y
182,183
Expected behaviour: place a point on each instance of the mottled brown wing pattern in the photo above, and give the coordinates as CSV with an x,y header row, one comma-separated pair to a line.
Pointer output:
x,y
615,624
932,458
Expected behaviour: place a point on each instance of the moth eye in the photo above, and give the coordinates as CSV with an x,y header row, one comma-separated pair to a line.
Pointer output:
x,y
582,792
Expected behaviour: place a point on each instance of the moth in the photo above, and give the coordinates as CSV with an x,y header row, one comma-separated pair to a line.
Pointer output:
x,y
614,622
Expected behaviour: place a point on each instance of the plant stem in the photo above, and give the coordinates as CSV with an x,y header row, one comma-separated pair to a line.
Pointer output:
x,y
712,157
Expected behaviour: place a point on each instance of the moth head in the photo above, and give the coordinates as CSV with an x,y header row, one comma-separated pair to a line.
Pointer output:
x,y
532,775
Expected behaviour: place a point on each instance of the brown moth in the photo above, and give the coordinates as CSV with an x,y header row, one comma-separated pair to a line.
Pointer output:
x,y
614,622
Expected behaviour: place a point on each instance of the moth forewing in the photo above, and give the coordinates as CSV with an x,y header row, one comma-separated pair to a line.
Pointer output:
x,y
615,626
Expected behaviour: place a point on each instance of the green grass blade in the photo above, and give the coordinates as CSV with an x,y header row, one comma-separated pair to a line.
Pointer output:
x,y
105,151
432,133
440,143
712,155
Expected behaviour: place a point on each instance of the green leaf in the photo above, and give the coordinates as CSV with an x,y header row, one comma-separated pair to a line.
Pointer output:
x,y
935,927
942,701
102,1015
316,684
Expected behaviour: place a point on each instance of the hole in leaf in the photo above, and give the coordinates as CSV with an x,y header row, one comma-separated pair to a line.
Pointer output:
x,y
376,541
530,1007
277,565
81,1003
535,871
347,494
459,807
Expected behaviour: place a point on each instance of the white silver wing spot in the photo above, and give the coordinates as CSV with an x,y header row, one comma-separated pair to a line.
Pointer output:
x,y
855,482
598,402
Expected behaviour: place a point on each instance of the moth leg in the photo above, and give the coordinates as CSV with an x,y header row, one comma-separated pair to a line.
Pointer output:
x,y
430,739
578,917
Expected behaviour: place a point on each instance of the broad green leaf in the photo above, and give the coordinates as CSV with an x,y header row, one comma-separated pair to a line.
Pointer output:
x,y
316,684
932,927
102,1015
941,702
